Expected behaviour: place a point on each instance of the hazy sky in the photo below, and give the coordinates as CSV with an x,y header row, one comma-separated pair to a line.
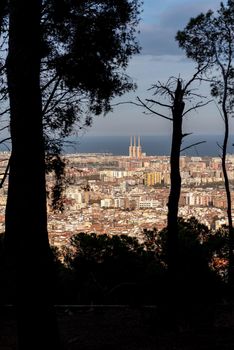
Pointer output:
x,y
159,59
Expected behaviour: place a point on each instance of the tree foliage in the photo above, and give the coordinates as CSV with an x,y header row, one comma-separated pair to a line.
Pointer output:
x,y
209,39
86,44
54,66
103,268
85,49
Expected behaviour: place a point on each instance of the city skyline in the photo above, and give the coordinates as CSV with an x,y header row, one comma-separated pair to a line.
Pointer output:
x,y
159,59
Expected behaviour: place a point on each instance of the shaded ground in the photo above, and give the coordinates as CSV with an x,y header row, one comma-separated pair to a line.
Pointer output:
x,y
123,328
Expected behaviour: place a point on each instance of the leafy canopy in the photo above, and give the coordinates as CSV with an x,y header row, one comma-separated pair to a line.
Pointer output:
x,y
209,39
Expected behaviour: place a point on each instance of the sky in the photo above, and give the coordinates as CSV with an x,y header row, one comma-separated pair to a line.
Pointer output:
x,y
160,58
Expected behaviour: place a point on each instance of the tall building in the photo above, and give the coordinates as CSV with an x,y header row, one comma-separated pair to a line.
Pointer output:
x,y
152,178
138,149
134,153
135,150
130,148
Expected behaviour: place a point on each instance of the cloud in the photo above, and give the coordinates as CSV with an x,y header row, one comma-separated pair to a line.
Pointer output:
x,y
158,38
177,16
160,59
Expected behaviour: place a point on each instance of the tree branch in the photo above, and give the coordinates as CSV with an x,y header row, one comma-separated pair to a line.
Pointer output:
x,y
220,147
51,96
142,104
198,105
43,88
4,127
187,134
125,103
159,103
194,144
195,75
153,111
4,140
4,112
5,173
167,90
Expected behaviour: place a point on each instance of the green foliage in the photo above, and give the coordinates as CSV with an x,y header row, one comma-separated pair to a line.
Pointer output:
x,y
191,236
95,248
196,36
112,269
151,240
195,275
85,49
208,39
119,269
56,164
86,43
217,248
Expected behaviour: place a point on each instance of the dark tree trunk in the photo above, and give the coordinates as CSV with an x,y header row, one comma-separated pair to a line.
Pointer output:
x,y
228,193
3,5
174,196
173,206
26,236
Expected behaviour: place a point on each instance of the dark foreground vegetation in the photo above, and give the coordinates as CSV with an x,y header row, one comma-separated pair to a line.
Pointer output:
x,y
112,291
122,328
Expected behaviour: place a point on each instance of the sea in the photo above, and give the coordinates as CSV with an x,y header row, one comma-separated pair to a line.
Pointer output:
x,y
193,145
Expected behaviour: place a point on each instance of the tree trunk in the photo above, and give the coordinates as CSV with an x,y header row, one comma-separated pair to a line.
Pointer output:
x,y
229,201
226,181
174,196
3,5
26,236
173,206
